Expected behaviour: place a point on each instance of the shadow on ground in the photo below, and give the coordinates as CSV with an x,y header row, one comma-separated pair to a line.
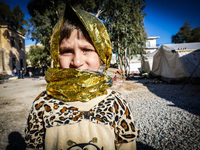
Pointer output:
x,y
16,141
186,96
141,146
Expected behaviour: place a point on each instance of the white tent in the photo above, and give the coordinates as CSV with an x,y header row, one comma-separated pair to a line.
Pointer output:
x,y
147,62
177,61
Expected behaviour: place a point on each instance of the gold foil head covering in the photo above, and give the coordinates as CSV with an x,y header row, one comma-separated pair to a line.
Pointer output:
x,y
95,29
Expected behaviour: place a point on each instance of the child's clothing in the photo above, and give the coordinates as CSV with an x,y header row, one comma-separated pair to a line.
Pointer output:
x,y
60,120
104,122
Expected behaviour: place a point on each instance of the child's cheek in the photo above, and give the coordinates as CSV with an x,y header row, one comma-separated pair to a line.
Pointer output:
x,y
64,62
94,63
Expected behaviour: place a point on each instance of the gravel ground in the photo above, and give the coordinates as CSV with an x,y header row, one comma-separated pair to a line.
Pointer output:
x,y
167,117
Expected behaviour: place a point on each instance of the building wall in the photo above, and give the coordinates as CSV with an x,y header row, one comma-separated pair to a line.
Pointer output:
x,y
135,62
151,44
12,50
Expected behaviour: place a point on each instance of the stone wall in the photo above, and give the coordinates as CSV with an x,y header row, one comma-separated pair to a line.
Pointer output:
x,y
12,53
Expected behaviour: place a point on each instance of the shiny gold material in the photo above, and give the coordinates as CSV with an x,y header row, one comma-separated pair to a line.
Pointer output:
x,y
75,85
97,33
55,43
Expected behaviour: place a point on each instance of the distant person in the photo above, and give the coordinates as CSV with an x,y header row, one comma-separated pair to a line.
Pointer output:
x,y
78,110
44,68
30,74
19,74
23,73
14,72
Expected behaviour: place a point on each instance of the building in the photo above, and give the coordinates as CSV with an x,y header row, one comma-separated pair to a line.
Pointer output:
x,y
12,50
151,44
135,62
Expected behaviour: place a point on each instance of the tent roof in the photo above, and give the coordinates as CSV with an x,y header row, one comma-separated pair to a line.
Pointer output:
x,y
182,46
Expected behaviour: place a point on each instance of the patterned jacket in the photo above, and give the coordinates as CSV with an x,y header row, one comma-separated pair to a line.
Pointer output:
x,y
104,123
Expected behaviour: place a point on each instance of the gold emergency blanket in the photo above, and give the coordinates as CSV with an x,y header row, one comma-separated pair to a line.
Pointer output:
x,y
98,35
95,29
76,85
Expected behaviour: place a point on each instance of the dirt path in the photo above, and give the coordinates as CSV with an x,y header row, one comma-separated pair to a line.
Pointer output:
x,y
16,98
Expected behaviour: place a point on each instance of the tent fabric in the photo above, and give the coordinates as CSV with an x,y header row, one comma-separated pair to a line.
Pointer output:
x,y
147,62
177,61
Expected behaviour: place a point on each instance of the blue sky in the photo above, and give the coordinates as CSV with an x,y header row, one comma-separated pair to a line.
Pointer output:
x,y
164,17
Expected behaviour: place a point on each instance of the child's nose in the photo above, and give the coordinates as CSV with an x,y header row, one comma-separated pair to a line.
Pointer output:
x,y
77,61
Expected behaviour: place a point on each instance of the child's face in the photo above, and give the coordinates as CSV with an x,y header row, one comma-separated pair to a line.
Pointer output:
x,y
77,52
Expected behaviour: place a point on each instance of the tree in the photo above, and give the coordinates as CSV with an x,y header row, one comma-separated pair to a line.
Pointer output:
x,y
44,16
186,34
126,29
14,19
5,13
195,34
17,20
38,56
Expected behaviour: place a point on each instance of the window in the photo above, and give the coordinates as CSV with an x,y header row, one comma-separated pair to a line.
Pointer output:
x,y
20,44
148,44
13,63
21,63
12,42
2,60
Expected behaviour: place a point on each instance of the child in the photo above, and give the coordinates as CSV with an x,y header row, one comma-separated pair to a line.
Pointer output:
x,y
77,110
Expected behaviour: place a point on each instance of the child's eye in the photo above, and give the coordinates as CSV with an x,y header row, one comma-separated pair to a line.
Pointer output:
x,y
65,52
88,50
